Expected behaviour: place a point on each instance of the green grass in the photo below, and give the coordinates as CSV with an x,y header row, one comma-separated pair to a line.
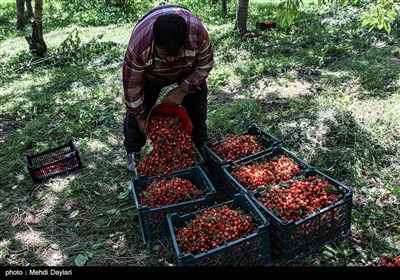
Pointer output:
x,y
326,87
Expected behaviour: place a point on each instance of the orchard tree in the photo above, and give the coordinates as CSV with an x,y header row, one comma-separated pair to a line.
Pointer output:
x,y
29,8
21,12
241,16
36,41
223,5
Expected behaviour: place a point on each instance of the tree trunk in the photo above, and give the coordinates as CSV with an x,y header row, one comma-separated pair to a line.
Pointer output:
x,y
241,16
20,14
108,3
223,3
29,8
38,43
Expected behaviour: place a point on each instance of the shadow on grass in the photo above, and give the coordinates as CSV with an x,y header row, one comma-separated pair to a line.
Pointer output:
x,y
345,151
55,18
349,150
332,141
333,42
85,213
57,111
88,213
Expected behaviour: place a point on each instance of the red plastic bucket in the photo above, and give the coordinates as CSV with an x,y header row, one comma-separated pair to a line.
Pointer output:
x,y
178,110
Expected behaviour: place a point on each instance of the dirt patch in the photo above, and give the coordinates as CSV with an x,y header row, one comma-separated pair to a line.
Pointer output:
x,y
267,89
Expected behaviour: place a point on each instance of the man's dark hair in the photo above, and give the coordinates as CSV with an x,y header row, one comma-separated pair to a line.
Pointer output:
x,y
170,33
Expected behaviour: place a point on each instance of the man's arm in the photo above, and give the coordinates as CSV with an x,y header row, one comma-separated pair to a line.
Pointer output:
x,y
133,76
202,65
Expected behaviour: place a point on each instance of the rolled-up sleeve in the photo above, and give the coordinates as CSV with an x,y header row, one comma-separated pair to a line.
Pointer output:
x,y
133,73
202,65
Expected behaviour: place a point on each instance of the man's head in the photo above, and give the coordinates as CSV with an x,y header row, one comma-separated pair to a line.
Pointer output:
x,y
170,34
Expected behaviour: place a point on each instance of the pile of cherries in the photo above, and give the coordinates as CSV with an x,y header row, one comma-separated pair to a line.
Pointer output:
x,y
164,192
237,146
172,146
259,175
56,166
215,227
300,198
390,261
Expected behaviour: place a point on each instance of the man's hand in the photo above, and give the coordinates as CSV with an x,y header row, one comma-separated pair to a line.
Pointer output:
x,y
174,97
142,125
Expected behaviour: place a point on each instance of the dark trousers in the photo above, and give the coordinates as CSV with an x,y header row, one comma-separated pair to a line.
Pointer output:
x,y
194,103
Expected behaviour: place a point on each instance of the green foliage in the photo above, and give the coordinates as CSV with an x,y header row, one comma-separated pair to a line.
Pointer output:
x,y
396,191
82,259
8,21
97,13
72,51
287,11
380,14
358,150
233,118
71,44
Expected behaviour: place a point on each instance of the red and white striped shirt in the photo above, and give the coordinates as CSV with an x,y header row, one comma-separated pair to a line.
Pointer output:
x,y
190,69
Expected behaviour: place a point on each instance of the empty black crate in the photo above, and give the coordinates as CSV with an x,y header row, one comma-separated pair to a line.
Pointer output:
x,y
215,162
292,240
232,184
252,250
53,162
153,221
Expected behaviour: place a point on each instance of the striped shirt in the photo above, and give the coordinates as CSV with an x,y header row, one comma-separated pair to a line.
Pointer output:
x,y
190,69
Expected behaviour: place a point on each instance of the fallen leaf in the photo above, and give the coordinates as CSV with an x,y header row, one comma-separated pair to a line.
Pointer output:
x,y
112,211
74,214
80,260
123,195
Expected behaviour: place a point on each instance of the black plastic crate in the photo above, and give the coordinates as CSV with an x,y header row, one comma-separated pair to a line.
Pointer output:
x,y
292,240
153,221
216,163
199,162
252,250
232,185
54,162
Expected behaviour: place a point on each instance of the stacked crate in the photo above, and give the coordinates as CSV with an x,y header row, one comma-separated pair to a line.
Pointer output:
x,y
215,163
275,153
153,221
276,238
250,250
292,240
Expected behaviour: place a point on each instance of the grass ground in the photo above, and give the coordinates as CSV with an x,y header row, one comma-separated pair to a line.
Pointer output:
x,y
326,87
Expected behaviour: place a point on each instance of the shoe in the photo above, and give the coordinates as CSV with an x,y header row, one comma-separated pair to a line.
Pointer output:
x,y
131,159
